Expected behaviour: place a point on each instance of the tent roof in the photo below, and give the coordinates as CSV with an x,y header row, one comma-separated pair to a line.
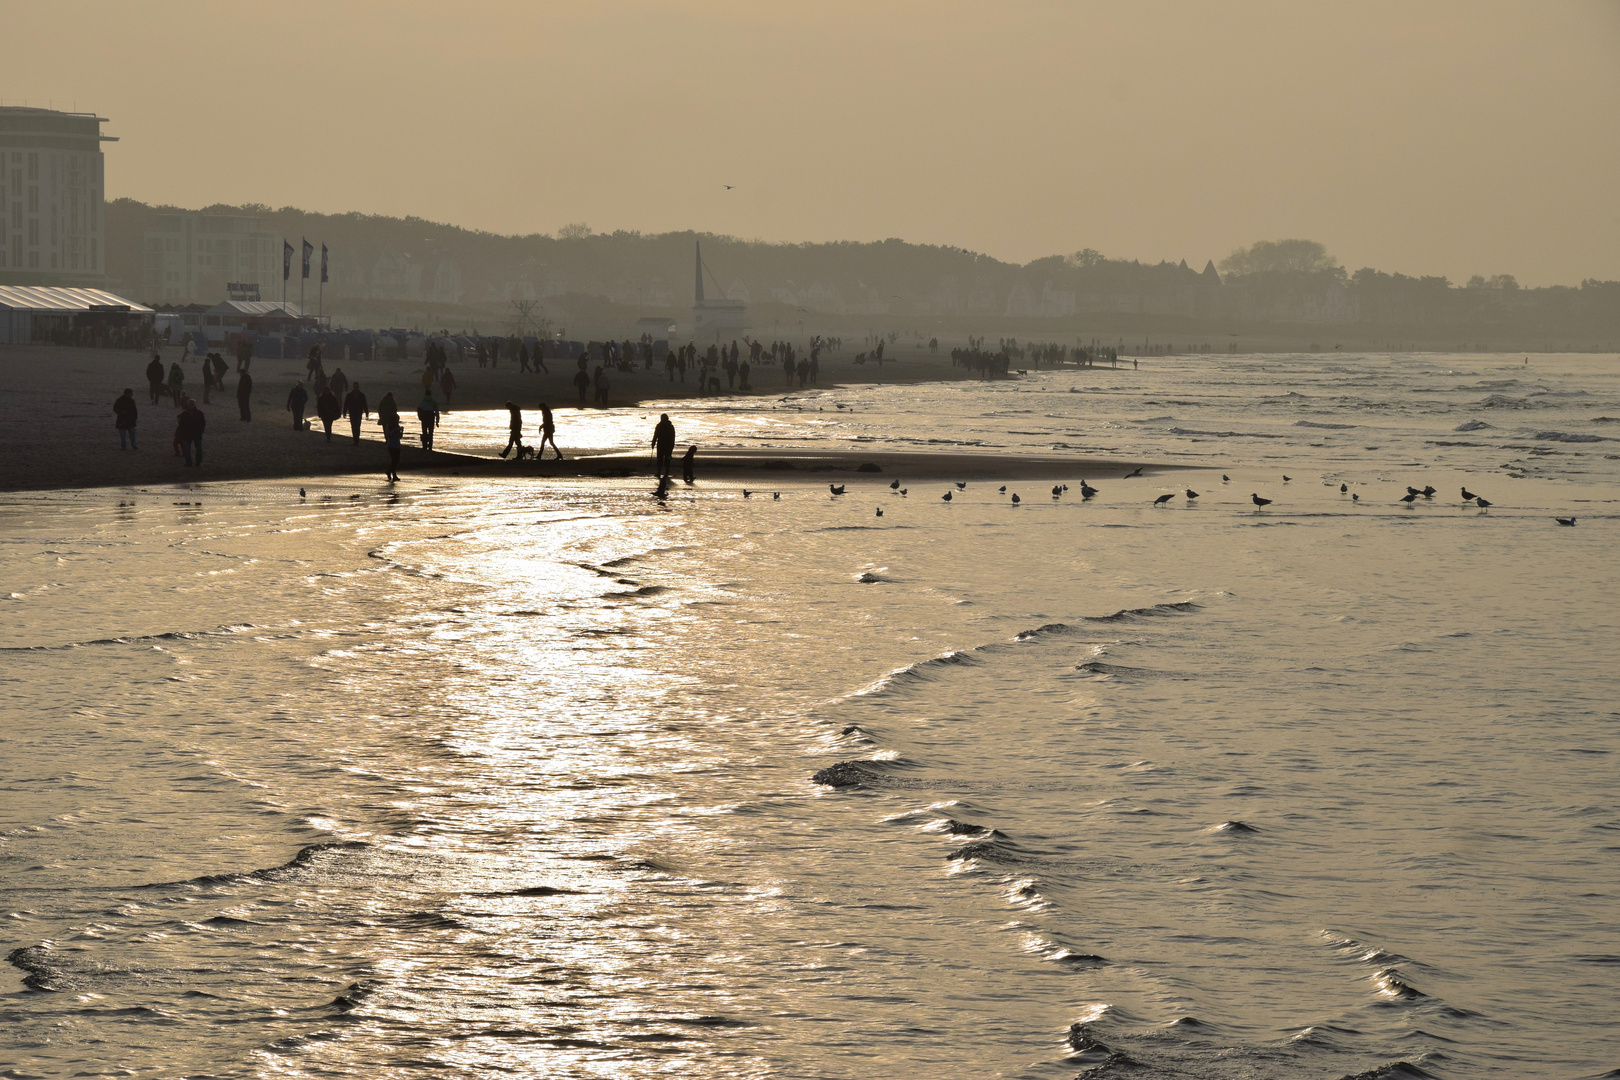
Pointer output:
x,y
62,300
255,308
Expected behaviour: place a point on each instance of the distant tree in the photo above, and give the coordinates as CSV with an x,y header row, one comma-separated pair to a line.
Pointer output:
x,y
576,230
1086,258
1279,256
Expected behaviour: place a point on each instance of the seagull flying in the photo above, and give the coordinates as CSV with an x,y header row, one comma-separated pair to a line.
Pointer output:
x,y
1138,472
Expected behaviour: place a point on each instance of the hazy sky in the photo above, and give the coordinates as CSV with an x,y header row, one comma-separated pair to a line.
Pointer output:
x,y
1453,137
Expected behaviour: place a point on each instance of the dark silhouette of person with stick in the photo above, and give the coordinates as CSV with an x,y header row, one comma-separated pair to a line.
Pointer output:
x,y
548,430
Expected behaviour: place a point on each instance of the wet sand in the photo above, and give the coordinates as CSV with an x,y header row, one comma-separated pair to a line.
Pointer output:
x,y
56,426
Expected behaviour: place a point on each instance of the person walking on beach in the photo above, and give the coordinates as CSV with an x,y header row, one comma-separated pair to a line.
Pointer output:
x,y
427,413
177,383
548,433
154,377
393,433
244,394
339,383
689,464
514,428
663,441
354,403
244,354
297,398
126,411
601,381
447,382
190,431
328,408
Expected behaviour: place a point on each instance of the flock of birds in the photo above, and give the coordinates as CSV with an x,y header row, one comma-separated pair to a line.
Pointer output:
x,y
1087,492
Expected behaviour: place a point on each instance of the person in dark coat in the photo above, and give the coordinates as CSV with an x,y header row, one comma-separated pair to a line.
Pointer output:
x,y
663,441
328,409
244,394
154,377
427,414
393,432
689,464
297,398
126,411
514,431
354,403
192,423
548,432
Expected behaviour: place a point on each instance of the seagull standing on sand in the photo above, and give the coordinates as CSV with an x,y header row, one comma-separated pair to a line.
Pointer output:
x,y
1086,490
1162,499
1057,491
1258,501
946,496
961,486
1016,499
1003,489
1481,503
1409,498
1565,521
880,511
1468,496
894,485
1191,494
836,489
1225,479
1343,488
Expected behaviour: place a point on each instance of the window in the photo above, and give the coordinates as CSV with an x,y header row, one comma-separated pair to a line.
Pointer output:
x,y
33,166
33,200
33,231
16,215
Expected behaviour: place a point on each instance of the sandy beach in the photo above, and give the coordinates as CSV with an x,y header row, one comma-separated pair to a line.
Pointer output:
x,y
56,426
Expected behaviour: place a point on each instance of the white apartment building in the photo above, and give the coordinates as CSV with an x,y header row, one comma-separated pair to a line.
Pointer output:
x,y
52,188
190,257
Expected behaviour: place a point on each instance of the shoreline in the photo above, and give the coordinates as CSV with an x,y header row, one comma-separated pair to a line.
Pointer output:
x,y
57,433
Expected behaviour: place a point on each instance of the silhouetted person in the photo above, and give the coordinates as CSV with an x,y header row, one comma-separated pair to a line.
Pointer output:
x,y
689,464
601,381
328,408
190,430
154,377
447,382
127,412
393,432
244,354
514,429
354,403
244,394
297,398
663,441
548,431
427,413
582,383
177,383
540,358
339,383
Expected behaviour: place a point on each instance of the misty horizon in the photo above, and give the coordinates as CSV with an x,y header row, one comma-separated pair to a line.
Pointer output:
x,y
1455,139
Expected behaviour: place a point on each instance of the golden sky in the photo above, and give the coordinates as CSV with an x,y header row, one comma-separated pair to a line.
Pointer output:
x,y
1427,136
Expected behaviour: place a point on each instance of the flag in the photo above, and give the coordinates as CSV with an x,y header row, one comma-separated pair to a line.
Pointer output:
x,y
324,278
286,260
309,249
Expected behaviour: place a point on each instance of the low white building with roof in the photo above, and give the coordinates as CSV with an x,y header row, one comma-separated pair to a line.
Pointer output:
x,y
49,313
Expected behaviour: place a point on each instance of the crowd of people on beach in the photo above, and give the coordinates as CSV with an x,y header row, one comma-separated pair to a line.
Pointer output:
x,y
718,368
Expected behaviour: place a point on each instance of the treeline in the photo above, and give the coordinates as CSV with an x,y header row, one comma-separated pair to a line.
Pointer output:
x,y
1271,282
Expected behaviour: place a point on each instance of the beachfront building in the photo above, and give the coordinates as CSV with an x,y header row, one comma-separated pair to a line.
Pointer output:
x,y
714,320
64,315
52,225
191,256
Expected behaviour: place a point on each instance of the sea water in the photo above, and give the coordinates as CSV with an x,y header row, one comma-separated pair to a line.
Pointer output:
x,y
557,778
